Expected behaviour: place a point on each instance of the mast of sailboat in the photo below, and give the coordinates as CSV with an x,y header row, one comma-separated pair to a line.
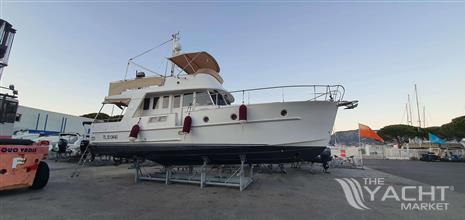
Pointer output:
x,y
175,50
406,111
418,109
410,110
424,117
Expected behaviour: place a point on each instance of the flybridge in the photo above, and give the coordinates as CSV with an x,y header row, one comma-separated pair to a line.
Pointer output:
x,y
190,63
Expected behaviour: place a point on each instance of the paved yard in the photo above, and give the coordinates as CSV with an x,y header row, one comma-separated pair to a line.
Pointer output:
x,y
433,173
109,192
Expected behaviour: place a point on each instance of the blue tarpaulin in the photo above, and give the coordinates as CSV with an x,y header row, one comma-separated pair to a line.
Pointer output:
x,y
435,139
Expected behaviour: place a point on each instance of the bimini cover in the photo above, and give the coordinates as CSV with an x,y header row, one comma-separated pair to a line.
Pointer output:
x,y
197,62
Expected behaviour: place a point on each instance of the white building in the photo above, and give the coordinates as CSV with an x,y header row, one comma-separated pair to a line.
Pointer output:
x,y
47,122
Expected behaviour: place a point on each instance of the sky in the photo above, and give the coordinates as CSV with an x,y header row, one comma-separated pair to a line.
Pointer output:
x,y
66,52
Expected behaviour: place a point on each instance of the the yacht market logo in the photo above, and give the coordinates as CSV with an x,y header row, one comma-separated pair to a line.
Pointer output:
x,y
415,198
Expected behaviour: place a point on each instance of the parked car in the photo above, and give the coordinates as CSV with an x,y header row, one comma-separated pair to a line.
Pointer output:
x,y
430,156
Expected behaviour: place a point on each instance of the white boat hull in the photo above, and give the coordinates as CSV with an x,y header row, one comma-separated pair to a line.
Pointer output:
x,y
267,135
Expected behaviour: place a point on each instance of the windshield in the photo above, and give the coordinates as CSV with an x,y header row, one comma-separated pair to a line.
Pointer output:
x,y
70,138
217,98
202,99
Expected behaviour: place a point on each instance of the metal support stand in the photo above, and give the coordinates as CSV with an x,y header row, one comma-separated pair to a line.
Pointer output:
x,y
282,169
203,173
168,175
231,176
241,174
138,171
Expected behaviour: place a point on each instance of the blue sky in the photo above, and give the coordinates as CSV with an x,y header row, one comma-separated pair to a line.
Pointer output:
x,y
65,53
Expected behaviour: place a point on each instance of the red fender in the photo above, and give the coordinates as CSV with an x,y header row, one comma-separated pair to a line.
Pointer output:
x,y
243,113
134,131
186,127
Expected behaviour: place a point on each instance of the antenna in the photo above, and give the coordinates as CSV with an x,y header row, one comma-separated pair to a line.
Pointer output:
x,y
176,49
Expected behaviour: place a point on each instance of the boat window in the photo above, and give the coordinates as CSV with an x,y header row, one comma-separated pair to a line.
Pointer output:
x,y
214,96
177,101
146,103
226,99
221,100
217,98
202,98
166,101
187,99
155,102
157,119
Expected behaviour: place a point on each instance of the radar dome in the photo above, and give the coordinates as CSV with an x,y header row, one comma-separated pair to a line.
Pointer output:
x,y
177,47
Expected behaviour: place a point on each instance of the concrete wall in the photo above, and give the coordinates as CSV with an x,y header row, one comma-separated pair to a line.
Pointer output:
x,y
43,121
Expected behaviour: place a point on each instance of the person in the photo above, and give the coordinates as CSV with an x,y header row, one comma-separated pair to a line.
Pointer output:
x,y
325,158
62,145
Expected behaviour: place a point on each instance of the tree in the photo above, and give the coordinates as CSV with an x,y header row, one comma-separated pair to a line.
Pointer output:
x,y
454,129
398,133
401,133
434,130
104,117
115,118
101,116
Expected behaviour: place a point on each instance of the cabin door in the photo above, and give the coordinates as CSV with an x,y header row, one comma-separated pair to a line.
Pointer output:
x,y
177,109
182,105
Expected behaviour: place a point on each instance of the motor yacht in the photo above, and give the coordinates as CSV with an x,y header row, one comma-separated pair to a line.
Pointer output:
x,y
190,118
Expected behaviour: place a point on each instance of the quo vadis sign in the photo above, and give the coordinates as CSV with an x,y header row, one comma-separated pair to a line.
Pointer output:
x,y
20,149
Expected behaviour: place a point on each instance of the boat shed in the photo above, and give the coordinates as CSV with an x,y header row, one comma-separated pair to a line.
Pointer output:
x,y
47,122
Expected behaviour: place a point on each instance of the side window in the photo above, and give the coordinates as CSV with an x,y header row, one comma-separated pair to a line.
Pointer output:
x,y
214,96
188,99
166,101
155,103
221,100
146,103
225,99
202,99
177,101
217,98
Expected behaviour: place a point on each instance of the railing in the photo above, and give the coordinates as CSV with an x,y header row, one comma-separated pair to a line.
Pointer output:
x,y
334,93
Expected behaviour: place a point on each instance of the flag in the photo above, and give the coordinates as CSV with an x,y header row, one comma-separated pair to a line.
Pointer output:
x,y
435,139
366,132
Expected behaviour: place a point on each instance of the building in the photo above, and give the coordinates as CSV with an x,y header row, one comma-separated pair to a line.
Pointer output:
x,y
47,122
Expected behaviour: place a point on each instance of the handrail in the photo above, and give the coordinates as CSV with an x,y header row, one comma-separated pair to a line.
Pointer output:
x,y
335,92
